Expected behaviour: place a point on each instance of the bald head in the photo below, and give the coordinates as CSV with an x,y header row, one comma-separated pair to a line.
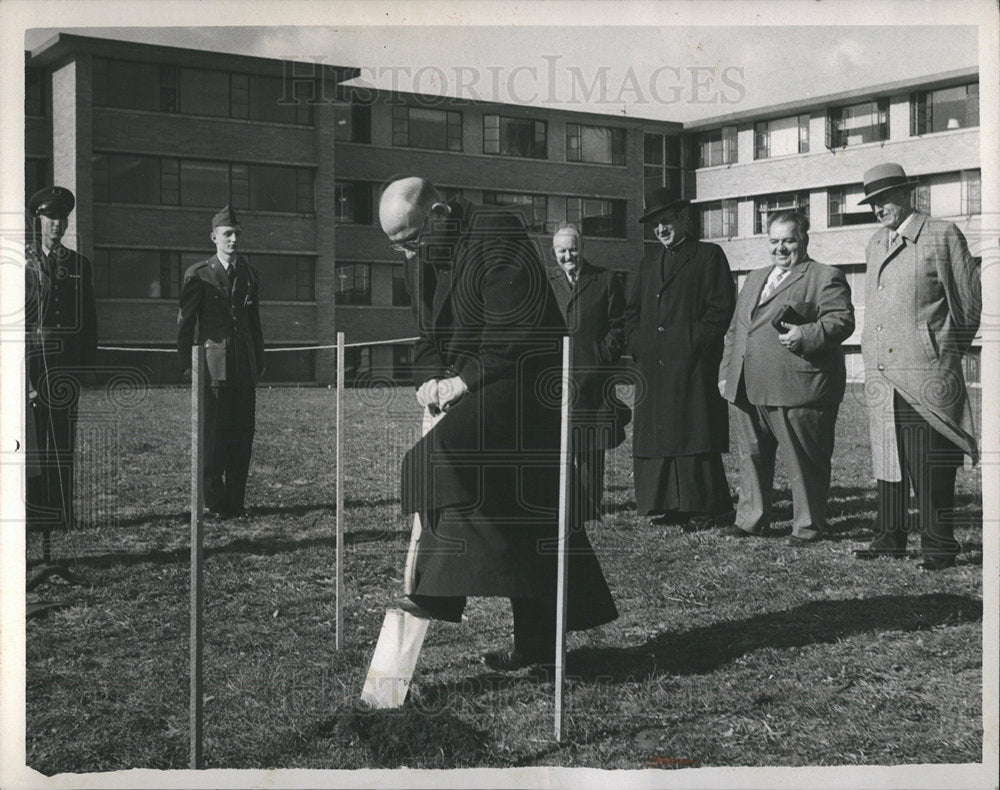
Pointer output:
x,y
567,246
404,207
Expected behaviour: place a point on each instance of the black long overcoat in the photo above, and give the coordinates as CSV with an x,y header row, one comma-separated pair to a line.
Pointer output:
x,y
675,322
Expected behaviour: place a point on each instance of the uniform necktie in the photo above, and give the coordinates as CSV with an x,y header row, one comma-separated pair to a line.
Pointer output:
x,y
231,273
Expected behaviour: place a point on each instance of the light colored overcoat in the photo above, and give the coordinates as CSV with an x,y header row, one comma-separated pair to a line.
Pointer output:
x,y
923,299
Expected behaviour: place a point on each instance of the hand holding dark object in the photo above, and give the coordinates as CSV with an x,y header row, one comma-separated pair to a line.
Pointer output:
x,y
790,336
788,316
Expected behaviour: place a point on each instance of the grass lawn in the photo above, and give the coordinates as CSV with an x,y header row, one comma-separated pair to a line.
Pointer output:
x,y
727,652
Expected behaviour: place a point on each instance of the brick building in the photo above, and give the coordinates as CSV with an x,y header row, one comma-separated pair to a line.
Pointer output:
x,y
154,139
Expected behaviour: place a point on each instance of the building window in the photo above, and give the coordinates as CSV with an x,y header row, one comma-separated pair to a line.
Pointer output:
x,y
353,284
785,201
843,208
416,127
34,93
353,121
291,366
357,364
781,137
286,278
972,192
855,124
400,294
947,108
718,147
137,274
354,202
204,92
202,183
719,220
129,85
534,208
949,194
127,179
514,137
597,218
661,161
600,145
402,362
267,100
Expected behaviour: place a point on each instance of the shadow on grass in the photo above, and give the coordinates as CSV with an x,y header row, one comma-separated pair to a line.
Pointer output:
x,y
703,650
256,546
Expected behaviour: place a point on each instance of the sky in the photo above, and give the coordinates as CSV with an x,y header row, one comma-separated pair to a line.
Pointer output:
x,y
663,71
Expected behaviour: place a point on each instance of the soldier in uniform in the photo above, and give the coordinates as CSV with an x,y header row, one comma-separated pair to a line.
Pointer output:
x,y
221,297
60,344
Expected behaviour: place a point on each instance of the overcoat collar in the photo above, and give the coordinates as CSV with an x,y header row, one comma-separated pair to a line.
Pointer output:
x,y
564,293
682,255
886,249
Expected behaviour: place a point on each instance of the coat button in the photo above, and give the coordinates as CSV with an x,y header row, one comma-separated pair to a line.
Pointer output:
x,y
659,329
890,350
881,287
878,328
881,367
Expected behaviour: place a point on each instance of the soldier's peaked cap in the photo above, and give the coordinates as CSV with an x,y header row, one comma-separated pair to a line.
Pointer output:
x,y
52,202
227,217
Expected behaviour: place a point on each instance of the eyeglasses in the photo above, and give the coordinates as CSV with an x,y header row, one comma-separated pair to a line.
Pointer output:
x,y
410,245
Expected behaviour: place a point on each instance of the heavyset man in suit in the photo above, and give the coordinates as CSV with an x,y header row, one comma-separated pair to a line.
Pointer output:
x,y
484,479
592,302
923,299
60,343
221,297
675,322
785,380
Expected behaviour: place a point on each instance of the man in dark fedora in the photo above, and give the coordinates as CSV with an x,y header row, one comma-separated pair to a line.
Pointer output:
x,y
677,316
60,343
923,300
221,296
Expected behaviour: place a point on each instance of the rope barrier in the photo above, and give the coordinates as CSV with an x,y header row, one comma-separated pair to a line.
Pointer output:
x,y
269,350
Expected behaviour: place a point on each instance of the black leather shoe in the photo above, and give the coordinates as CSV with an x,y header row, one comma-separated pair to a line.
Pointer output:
x,y
240,514
735,532
673,518
874,554
512,660
937,563
215,513
411,607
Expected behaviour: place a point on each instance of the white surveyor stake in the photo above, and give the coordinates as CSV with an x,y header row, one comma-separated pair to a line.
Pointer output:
x,y
402,634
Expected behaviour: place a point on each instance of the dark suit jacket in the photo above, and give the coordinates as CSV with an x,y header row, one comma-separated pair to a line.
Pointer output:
x,y
675,325
594,310
773,375
228,322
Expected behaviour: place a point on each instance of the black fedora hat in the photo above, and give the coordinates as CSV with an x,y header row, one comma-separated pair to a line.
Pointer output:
x,y
52,202
659,200
882,178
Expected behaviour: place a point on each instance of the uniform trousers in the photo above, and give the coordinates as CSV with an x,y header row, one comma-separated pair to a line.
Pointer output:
x,y
229,428
50,493
805,435
929,462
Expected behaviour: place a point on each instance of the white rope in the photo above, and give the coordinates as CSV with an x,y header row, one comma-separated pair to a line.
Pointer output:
x,y
268,350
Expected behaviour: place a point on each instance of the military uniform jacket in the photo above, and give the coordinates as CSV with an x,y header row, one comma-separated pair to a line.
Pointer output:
x,y
227,321
923,300
594,310
675,322
60,317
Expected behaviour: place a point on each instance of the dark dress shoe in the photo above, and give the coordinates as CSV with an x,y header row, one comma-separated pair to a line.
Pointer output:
x,y
874,554
215,513
672,518
432,608
735,532
937,562
239,513
411,607
513,660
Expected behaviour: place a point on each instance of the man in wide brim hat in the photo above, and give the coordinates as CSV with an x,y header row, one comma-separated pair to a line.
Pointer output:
x,y
883,178
675,322
660,200
923,299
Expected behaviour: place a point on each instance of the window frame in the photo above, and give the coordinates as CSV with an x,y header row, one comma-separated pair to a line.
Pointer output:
x,y
619,144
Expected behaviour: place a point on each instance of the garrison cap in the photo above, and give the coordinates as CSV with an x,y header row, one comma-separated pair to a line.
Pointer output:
x,y
52,202
227,217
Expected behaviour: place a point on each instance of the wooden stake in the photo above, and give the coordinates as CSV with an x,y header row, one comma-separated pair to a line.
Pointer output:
x,y
197,580
340,489
564,511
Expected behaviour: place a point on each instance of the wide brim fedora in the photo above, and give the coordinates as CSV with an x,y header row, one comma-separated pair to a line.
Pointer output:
x,y
659,200
882,178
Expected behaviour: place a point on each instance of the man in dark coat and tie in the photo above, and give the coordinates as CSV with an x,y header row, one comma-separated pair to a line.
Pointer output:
x,y
221,297
675,321
923,300
60,344
783,371
484,479
592,301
